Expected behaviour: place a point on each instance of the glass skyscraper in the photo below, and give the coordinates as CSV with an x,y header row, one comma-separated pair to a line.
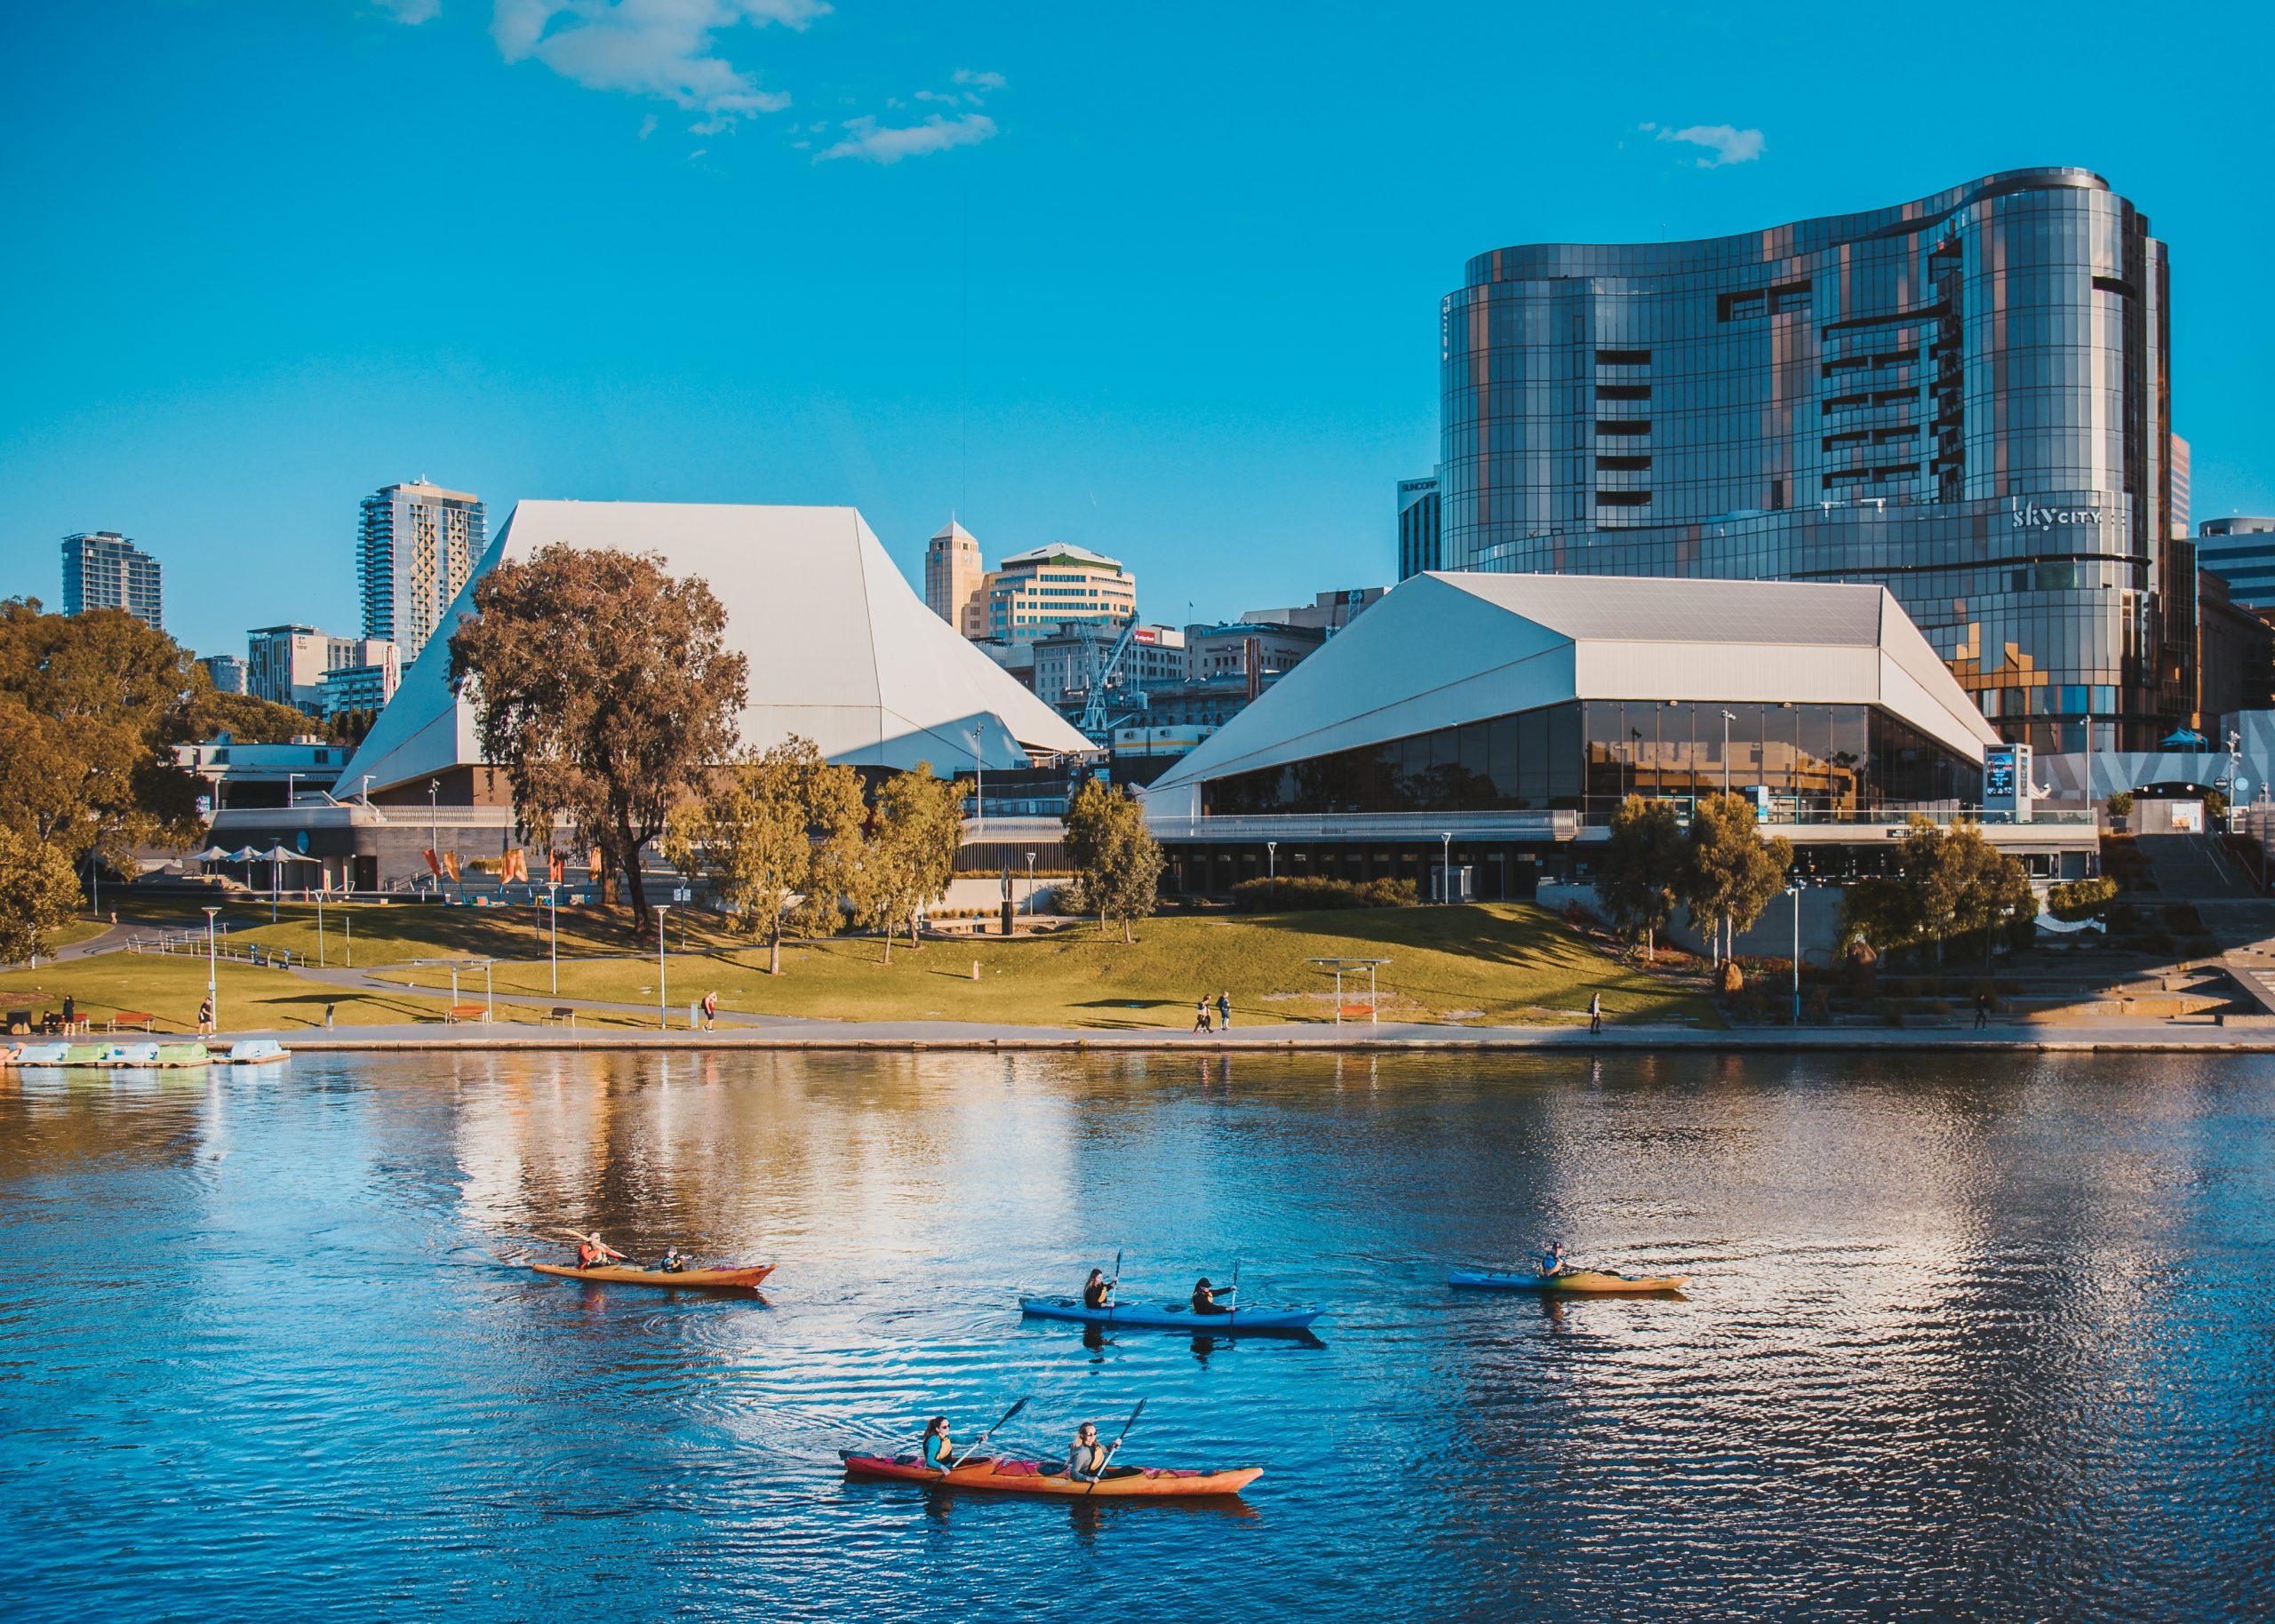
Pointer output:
x,y
1964,399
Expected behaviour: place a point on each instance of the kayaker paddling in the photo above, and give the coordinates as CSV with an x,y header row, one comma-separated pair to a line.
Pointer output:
x,y
1552,1263
937,1449
1086,1460
1097,1291
1204,1299
593,1252
673,1263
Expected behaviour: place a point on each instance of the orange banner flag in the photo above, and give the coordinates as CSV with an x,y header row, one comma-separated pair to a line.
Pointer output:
x,y
451,864
433,863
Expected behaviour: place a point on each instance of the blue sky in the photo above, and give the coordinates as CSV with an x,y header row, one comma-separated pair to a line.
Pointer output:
x,y
1161,281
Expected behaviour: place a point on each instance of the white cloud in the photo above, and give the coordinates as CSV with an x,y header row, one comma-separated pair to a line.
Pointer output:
x,y
1724,143
887,144
664,49
979,82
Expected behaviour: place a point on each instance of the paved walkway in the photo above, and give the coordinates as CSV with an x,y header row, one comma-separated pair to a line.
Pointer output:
x,y
951,1035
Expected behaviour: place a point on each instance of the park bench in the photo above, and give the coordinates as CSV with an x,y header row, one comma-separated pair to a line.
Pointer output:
x,y
467,1012
561,1015
134,1018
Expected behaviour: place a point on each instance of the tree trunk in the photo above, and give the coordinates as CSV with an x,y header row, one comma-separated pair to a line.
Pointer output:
x,y
889,919
1127,939
635,890
774,947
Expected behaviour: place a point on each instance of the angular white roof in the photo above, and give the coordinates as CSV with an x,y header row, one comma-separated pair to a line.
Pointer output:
x,y
841,650
1440,649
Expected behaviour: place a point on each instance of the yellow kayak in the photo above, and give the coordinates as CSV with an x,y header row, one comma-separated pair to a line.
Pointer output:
x,y
1579,1280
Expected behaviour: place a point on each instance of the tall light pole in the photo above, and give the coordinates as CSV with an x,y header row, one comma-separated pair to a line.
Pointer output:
x,y
662,986
1794,891
212,982
434,829
291,786
1271,871
978,781
1030,885
553,889
1446,870
1727,718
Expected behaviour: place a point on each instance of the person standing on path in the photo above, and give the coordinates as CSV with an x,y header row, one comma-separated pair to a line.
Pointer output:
x,y
1982,1010
1224,1011
1596,1014
1201,1016
205,1016
710,1010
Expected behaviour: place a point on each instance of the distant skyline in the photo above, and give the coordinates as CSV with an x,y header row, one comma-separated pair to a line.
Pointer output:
x,y
1161,284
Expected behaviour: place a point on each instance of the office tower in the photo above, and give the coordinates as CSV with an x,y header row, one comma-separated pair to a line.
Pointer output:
x,y
1418,510
285,664
417,546
1031,595
227,672
955,582
2241,551
1964,398
103,569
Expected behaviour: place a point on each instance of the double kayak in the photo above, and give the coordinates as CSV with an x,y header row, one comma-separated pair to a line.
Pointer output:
x,y
1572,1280
683,1280
1039,1478
1169,1316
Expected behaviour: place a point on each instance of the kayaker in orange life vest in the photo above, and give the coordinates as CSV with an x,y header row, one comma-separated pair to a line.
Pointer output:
x,y
937,1449
593,1252
1097,1291
1204,1299
1086,1460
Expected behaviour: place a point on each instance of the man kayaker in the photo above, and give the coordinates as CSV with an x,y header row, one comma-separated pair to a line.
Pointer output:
x,y
1097,1291
1204,1299
1086,1462
937,1449
1552,1263
672,1263
593,1252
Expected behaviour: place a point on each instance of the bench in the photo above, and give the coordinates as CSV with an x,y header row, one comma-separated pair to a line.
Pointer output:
x,y
135,1018
467,1012
561,1015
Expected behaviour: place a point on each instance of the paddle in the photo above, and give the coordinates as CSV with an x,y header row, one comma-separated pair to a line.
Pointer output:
x,y
984,1436
1126,1426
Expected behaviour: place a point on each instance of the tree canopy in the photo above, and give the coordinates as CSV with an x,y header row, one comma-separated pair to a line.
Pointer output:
x,y
1642,866
915,830
779,833
1732,872
1117,860
1955,884
606,693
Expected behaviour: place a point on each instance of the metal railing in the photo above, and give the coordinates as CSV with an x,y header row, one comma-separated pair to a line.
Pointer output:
x,y
1408,826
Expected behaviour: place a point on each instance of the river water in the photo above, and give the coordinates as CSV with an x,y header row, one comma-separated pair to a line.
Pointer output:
x,y
1970,1336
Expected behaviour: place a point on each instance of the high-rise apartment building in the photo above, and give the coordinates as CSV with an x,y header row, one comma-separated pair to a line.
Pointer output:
x,y
416,547
1031,595
2241,551
300,665
227,672
955,581
103,569
1965,399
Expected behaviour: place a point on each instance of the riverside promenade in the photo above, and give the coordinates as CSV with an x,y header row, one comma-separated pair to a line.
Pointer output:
x,y
765,1033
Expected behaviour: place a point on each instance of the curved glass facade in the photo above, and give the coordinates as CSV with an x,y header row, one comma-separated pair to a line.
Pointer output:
x,y
1589,755
1963,399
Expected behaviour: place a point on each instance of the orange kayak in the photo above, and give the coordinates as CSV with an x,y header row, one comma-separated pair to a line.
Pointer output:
x,y
1039,1477
685,1280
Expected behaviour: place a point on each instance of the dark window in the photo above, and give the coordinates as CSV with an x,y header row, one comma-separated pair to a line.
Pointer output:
x,y
1842,402
2111,285
1738,307
1624,499
1629,425
1777,495
1623,392
1623,464
1623,358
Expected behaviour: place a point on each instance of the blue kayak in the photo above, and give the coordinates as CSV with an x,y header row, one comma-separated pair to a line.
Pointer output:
x,y
1575,1282
1169,1316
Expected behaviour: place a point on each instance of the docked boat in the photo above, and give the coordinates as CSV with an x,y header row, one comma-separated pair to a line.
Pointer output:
x,y
1042,1479
678,1281
256,1052
1170,1316
140,1056
1574,1281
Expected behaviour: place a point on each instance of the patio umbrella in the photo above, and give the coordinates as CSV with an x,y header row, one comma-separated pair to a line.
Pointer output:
x,y
243,854
2183,736
211,854
280,854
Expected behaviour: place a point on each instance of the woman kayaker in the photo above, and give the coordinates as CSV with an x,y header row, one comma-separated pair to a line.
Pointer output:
x,y
937,1449
1097,1291
1204,1299
1086,1462
672,1263
593,1252
1551,1262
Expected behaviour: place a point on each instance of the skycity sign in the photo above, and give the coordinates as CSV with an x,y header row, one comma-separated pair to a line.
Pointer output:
x,y
2030,516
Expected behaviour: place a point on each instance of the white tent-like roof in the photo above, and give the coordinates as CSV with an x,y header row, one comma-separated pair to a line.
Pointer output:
x,y
840,650
1443,650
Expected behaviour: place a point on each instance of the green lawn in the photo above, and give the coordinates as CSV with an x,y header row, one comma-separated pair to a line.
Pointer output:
x,y
252,1000
1495,964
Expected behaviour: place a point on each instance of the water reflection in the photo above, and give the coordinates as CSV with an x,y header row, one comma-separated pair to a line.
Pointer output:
x,y
1975,1335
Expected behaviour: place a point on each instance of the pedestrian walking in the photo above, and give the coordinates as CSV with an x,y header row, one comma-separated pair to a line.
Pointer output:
x,y
1224,1012
1201,1016
1596,1014
1982,1010
205,1016
710,1010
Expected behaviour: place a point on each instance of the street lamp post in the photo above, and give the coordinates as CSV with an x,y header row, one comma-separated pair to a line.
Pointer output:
x,y
663,971
1727,718
553,889
1271,871
1794,891
978,781
212,982
1030,885
320,890
435,830
1446,869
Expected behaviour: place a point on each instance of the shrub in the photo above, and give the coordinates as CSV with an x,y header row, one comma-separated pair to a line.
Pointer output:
x,y
1311,892
2081,899
1731,980
2121,805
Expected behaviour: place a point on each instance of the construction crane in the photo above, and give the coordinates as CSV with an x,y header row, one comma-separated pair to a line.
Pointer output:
x,y
1093,722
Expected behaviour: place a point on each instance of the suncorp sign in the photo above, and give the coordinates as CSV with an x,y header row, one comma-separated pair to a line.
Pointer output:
x,y
2030,516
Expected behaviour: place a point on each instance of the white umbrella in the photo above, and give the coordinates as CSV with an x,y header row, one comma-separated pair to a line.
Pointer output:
x,y
243,854
279,854
211,854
